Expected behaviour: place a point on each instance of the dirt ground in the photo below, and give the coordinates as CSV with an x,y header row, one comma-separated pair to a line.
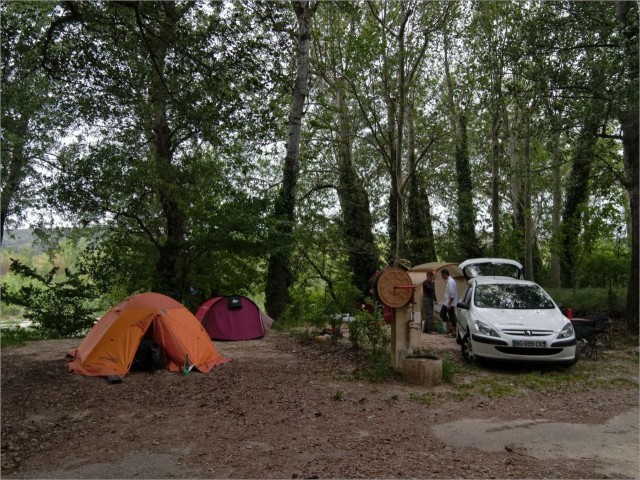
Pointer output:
x,y
286,409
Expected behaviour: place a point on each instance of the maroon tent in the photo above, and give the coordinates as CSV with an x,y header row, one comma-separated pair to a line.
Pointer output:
x,y
233,318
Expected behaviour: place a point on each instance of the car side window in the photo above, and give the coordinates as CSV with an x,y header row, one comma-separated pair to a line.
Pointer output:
x,y
466,299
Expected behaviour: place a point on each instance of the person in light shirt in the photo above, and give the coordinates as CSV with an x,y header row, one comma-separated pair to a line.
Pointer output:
x,y
448,311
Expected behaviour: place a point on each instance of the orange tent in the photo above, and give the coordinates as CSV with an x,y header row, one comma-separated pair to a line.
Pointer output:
x,y
110,346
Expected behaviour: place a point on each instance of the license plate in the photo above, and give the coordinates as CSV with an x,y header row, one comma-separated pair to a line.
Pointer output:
x,y
530,343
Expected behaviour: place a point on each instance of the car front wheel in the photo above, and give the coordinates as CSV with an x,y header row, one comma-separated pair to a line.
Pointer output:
x,y
466,348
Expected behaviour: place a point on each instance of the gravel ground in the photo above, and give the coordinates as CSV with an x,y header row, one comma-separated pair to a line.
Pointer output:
x,y
283,408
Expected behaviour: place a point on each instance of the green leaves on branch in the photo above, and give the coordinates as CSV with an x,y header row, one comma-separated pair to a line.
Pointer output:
x,y
58,308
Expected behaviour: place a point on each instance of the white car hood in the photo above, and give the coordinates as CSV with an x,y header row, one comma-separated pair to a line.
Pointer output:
x,y
542,319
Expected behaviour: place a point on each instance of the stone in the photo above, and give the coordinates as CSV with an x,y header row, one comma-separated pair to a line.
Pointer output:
x,y
422,370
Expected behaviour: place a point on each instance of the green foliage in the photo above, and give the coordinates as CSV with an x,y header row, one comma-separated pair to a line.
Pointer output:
x,y
370,330
307,307
448,368
58,308
378,368
586,301
18,335
426,399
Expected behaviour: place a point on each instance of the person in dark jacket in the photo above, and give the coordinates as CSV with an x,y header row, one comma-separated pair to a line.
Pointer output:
x,y
428,302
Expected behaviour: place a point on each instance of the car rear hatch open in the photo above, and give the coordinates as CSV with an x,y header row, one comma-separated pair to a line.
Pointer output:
x,y
491,267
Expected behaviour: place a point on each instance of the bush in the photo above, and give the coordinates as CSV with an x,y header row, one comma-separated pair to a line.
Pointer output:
x,y
369,329
378,368
587,301
56,308
18,335
303,309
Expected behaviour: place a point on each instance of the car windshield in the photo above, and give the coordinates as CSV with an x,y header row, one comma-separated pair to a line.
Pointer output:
x,y
511,296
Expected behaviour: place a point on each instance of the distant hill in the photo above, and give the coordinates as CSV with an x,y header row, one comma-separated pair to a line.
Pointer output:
x,y
20,239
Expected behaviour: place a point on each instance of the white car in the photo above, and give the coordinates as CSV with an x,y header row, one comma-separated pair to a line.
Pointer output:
x,y
501,317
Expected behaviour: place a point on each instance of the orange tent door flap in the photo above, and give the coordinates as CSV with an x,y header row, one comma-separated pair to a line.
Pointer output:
x,y
114,351
180,337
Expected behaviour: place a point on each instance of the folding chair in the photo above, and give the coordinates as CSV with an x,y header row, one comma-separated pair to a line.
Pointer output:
x,y
600,333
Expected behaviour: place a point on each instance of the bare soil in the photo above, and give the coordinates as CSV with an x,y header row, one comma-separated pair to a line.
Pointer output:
x,y
283,408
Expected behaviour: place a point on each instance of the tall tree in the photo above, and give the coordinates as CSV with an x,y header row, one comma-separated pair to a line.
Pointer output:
x,y
279,275
333,58
466,212
627,16
404,32
157,84
31,117
421,244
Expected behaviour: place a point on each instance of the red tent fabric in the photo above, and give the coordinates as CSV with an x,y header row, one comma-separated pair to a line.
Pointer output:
x,y
233,318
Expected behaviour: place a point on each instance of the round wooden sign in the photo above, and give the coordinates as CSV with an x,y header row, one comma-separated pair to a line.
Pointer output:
x,y
386,286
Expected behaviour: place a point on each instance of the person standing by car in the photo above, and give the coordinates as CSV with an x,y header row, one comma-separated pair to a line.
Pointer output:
x,y
448,311
428,302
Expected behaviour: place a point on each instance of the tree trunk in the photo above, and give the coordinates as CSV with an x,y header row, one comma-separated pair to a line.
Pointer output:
x,y
556,213
577,195
630,127
15,172
627,16
515,190
357,223
279,275
169,275
529,236
421,245
469,245
393,223
495,185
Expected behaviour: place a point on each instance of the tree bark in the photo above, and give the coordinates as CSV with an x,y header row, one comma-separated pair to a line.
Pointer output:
x,y
495,185
16,171
556,214
627,16
468,241
577,195
169,274
421,245
279,275
529,236
357,223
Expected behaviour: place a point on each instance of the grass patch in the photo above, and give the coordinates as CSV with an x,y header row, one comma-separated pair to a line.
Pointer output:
x,y
449,368
377,369
612,370
426,399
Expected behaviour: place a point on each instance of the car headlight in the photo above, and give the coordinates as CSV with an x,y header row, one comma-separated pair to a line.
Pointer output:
x,y
567,331
485,329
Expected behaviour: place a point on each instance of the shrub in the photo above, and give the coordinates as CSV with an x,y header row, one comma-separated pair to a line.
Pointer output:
x,y
377,368
587,301
60,308
18,335
369,329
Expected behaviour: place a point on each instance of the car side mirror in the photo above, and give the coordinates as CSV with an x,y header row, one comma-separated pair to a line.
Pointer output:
x,y
462,305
